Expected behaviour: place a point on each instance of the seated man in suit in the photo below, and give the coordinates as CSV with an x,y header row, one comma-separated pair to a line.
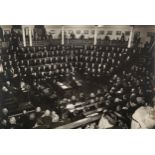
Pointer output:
x,y
92,96
23,119
55,117
81,97
71,112
30,122
4,114
4,124
99,93
45,120
73,82
92,105
93,73
99,74
13,124
108,120
38,112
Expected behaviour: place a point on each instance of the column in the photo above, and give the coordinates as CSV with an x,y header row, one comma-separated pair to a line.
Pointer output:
x,y
62,35
130,37
95,36
24,40
30,36
32,33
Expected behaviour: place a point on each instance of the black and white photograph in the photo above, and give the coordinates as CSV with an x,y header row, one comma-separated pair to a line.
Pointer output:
x,y
77,76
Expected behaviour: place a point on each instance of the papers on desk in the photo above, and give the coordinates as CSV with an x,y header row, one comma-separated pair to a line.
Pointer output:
x,y
91,115
60,84
79,103
78,83
46,90
63,86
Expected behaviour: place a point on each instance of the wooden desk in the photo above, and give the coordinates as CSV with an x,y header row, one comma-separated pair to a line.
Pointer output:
x,y
19,114
63,86
63,89
81,122
82,105
93,111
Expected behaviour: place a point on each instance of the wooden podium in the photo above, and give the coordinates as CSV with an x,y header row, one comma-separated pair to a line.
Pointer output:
x,y
63,88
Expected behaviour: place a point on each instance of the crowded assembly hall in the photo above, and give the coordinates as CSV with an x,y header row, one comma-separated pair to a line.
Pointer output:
x,y
77,77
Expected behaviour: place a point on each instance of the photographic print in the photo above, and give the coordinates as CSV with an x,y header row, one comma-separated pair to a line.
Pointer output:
x,y
81,83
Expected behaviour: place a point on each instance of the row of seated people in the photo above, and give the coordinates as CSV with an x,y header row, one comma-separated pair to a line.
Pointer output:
x,y
63,69
34,49
40,65
28,119
76,52
35,74
37,62
43,54
42,68
107,65
64,66
109,58
60,53
106,70
94,57
73,55
58,73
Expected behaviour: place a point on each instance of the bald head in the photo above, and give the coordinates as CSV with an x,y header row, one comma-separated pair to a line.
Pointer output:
x,y
92,101
12,120
5,111
92,95
4,122
32,116
47,112
38,109
73,98
24,112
